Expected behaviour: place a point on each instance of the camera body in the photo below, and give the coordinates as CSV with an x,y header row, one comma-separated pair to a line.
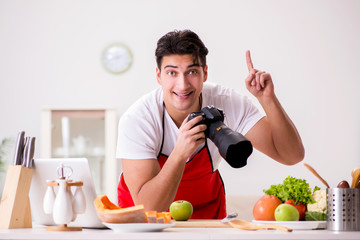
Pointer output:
x,y
210,115
233,146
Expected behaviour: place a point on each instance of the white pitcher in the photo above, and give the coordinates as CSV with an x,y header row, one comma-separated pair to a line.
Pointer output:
x,y
63,209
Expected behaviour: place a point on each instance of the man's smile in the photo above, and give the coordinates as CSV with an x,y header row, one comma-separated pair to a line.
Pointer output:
x,y
183,94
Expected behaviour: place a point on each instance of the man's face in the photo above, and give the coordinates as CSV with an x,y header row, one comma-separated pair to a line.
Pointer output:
x,y
182,82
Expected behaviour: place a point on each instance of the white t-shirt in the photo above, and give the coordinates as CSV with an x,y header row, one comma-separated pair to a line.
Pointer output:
x,y
140,130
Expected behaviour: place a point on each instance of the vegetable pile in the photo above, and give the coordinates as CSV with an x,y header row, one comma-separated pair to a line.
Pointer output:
x,y
293,188
310,204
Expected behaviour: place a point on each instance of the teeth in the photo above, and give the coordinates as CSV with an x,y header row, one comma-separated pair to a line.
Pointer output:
x,y
183,94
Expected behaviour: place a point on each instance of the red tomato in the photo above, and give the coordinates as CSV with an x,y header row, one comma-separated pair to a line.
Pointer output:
x,y
265,207
300,207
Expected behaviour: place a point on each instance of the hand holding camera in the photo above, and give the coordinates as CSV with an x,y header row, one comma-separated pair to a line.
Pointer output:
x,y
233,146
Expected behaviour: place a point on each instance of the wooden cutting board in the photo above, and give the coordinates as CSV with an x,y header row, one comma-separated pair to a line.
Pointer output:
x,y
201,223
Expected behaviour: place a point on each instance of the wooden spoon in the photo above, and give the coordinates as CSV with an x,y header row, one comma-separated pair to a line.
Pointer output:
x,y
316,174
355,177
241,224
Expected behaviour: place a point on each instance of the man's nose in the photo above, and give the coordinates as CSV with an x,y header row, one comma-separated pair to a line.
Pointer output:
x,y
183,82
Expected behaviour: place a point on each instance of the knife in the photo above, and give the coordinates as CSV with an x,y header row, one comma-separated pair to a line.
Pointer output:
x,y
26,147
19,148
30,152
229,217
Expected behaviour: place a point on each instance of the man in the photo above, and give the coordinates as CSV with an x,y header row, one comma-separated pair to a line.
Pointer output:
x,y
165,157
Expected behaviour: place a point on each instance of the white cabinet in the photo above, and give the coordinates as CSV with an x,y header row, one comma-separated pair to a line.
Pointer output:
x,y
89,133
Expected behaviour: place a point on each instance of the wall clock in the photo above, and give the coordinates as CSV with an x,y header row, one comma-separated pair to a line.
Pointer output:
x,y
117,58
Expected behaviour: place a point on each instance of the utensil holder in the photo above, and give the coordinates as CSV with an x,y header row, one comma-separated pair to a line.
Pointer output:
x,y
343,209
76,202
15,208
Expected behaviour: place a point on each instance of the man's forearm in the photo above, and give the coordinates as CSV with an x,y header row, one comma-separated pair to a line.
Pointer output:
x,y
159,192
286,138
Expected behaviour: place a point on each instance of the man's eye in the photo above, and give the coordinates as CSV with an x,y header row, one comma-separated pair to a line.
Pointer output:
x,y
170,73
192,72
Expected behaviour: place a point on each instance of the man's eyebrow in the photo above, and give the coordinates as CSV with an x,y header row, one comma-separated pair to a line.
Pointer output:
x,y
194,65
170,66
190,66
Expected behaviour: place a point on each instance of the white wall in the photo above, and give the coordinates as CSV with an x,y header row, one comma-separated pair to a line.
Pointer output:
x,y
50,56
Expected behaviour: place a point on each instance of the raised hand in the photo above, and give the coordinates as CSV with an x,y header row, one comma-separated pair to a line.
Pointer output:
x,y
259,83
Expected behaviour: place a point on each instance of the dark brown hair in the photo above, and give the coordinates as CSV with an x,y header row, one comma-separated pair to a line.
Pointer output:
x,y
181,42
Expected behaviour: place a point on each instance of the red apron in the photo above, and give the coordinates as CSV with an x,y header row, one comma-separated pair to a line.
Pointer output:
x,y
199,185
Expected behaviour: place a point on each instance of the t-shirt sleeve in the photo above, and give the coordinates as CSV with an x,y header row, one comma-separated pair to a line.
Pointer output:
x,y
244,113
137,138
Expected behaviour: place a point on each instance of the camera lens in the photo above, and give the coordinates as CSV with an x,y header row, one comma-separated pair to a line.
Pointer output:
x,y
233,146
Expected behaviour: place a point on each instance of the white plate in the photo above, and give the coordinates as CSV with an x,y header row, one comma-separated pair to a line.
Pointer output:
x,y
138,227
296,225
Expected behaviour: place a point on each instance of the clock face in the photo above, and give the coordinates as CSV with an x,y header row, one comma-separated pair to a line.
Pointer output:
x,y
117,58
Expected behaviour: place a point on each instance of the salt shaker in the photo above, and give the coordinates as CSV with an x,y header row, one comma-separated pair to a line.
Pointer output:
x,y
49,199
79,201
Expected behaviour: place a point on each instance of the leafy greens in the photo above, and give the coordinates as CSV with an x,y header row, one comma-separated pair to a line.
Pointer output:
x,y
292,188
315,216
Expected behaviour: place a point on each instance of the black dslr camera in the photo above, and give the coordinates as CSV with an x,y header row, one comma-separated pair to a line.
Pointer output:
x,y
233,146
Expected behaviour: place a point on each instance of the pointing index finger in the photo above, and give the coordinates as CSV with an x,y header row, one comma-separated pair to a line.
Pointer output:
x,y
248,61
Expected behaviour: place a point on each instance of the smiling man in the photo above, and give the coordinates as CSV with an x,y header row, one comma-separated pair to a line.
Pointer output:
x,y
165,157
182,81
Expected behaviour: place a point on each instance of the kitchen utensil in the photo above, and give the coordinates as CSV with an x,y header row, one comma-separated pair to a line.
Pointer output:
x,y
15,210
241,224
229,217
19,147
343,209
25,150
352,171
64,205
355,177
30,152
316,174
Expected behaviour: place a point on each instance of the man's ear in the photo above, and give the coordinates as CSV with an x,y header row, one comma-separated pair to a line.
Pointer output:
x,y
205,73
158,75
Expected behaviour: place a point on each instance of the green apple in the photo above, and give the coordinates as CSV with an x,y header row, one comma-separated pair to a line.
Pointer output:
x,y
181,210
286,212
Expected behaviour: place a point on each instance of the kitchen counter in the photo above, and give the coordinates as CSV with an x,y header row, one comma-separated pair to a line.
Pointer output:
x,y
176,233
